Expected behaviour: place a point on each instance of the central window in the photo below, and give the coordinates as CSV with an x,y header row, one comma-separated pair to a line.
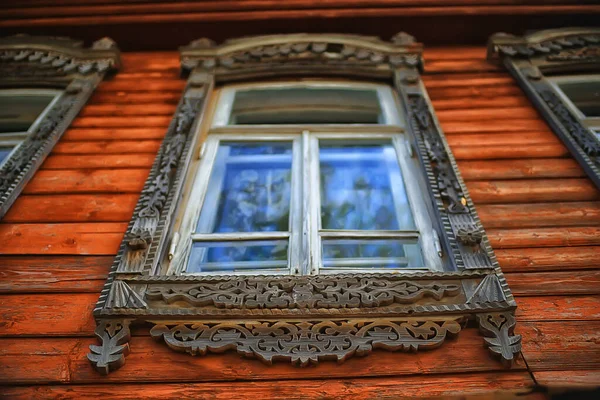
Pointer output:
x,y
305,178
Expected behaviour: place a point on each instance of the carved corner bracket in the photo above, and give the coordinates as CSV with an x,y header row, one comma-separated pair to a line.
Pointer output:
x,y
301,319
31,61
500,338
114,336
532,59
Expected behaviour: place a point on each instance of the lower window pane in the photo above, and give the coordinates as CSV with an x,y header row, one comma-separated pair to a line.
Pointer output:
x,y
238,256
371,254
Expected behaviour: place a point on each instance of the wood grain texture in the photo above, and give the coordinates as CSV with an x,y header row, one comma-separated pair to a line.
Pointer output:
x,y
57,244
380,388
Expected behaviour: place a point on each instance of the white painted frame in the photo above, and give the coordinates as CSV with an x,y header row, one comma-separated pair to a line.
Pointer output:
x,y
305,236
16,138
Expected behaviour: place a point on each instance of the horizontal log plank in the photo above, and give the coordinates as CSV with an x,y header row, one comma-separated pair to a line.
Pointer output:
x,y
558,308
539,215
138,98
544,237
473,92
509,152
47,314
53,274
467,80
97,161
87,181
88,134
97,110
72,208
108,147
446,386
548,259
559,283
67,239
261,15
148,359
519,169
480,103
133,85
568,378
503,125
556,346
532,191
485,114
501,139
161,121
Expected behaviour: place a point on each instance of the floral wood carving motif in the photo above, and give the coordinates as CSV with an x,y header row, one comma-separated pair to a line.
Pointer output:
x,y
56,56
160,182
500,338
588,143
568,51
302,319
461,226
304,292
32,61
304,342
114,336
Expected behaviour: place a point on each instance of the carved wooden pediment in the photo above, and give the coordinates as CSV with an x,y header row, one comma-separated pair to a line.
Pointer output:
x,y
304,319
333,54
55,62
533,58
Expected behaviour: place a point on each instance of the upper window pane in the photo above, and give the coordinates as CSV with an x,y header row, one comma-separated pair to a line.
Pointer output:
x,y
249,189
306,105
362,188
19,111
585,95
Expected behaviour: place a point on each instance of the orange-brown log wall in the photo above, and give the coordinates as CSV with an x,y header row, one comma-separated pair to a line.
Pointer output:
x,y
58,241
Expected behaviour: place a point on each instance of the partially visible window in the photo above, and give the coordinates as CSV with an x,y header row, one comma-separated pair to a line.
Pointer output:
x,y
306,178
20,111
582,94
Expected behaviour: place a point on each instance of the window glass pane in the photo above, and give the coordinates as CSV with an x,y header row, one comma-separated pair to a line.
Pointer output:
x,y
4,152
584,95
362,188
249,189
306,105
238,256
365,253
18,112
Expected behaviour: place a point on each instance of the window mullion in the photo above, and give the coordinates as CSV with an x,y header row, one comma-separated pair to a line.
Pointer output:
x,y
313,185
296,251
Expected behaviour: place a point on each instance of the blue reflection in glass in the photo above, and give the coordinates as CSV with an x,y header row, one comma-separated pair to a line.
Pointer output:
x,y
4,152
233,256
365,253
362,188
249,189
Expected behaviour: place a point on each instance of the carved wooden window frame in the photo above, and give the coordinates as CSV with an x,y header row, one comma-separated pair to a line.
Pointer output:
x,y
53,63
531,60
303,319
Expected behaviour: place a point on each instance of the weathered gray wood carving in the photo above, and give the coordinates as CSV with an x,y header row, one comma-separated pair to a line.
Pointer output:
x,y
532,59
304,319
48,62
308,342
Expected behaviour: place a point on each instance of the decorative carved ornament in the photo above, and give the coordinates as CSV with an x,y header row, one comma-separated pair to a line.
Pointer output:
x,y
62,63
530,59
301,319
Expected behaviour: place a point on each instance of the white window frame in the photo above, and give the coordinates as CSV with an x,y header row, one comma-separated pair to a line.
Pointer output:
x,y
17,138
592,123
304,250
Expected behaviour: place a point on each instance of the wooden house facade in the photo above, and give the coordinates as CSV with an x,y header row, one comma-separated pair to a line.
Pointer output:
x,y
539,207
